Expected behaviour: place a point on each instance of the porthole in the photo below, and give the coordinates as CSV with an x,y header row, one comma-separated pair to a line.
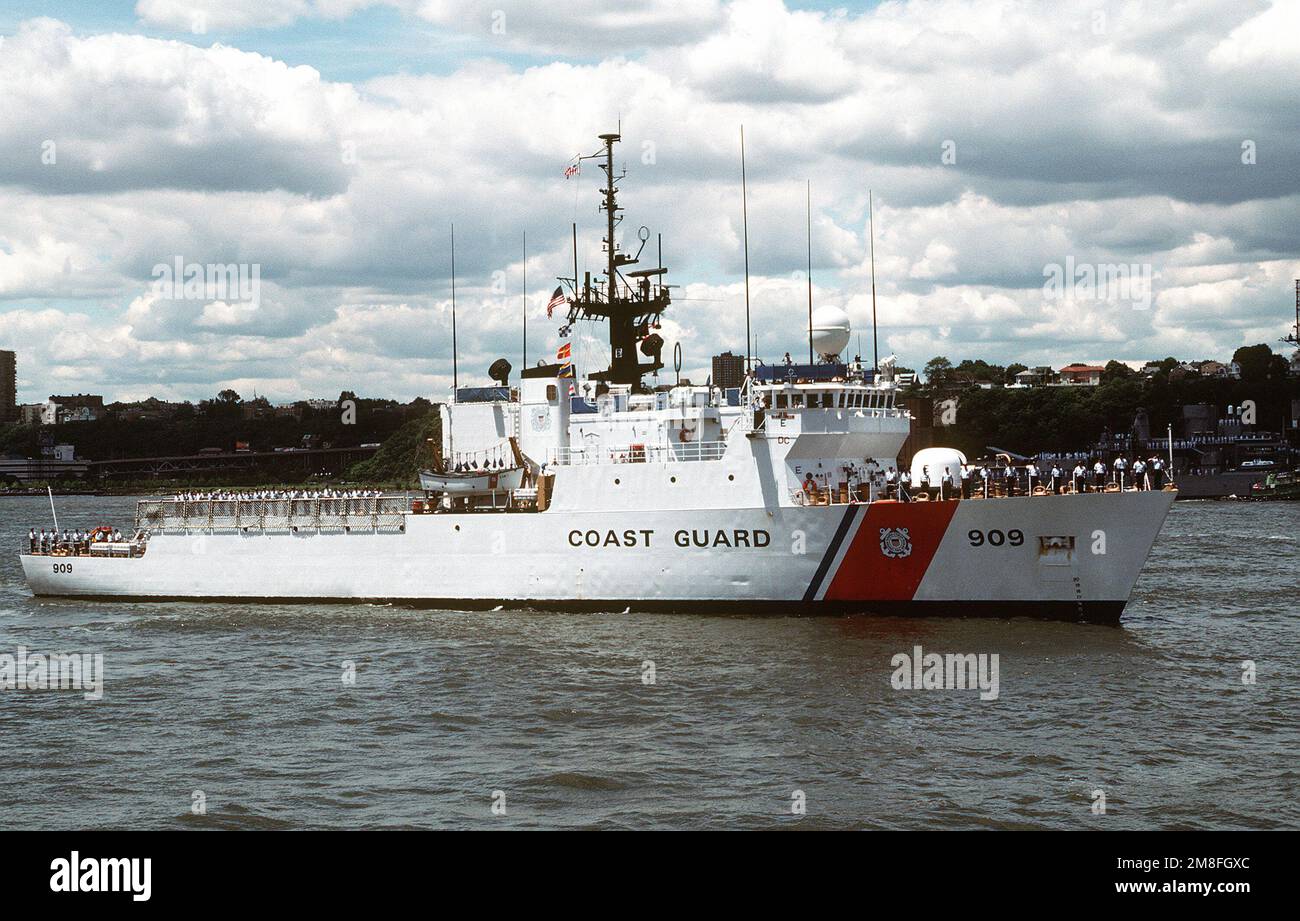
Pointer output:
x,y
731,476
617,481
672,479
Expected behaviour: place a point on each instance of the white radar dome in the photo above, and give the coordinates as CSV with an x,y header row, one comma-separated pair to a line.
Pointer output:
x,y
830,331
929,464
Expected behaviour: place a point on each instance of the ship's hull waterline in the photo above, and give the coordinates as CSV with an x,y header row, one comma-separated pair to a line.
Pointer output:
x,y
1071,557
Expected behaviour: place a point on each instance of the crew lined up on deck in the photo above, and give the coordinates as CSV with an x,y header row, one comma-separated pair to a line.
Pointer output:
x,y
989,480
73,542
271,495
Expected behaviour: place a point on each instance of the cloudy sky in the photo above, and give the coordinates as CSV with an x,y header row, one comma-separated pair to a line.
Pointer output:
x,y
332,143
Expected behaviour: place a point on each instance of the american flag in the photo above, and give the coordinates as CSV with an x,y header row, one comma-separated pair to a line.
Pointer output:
x,y
557,299
571,171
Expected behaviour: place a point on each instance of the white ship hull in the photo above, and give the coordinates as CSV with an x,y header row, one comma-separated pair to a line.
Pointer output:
x,y
1071,557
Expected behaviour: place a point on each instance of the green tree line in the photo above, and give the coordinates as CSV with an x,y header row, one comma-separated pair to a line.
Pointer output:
x,y
1038,419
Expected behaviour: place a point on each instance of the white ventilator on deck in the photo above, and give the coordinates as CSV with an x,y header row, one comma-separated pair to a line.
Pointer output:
x,y
929,464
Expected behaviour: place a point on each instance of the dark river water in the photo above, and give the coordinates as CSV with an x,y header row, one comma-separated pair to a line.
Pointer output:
x,y
244,710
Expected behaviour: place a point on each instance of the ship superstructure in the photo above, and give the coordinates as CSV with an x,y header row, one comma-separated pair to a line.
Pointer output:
x,y
606,490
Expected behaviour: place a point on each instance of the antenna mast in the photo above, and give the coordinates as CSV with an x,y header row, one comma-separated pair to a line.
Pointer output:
x,y
871,229
744,215
810,329
454,377
1294,338
630,306
525,307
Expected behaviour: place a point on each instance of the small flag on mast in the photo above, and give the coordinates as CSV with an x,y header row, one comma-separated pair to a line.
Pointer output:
x,y
557,299
571,171
564,351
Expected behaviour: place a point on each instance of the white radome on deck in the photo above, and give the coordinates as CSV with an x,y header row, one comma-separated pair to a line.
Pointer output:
x,y
930,464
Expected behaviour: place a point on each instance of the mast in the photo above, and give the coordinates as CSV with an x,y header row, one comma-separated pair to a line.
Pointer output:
x,y
611,214
744,218
525,298
810,329
454,376
1294,338
871,229
632,306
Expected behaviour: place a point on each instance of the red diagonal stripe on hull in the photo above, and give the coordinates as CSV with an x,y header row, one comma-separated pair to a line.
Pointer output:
x,y
867,574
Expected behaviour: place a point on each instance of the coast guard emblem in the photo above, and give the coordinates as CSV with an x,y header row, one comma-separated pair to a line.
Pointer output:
x,y
895,543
